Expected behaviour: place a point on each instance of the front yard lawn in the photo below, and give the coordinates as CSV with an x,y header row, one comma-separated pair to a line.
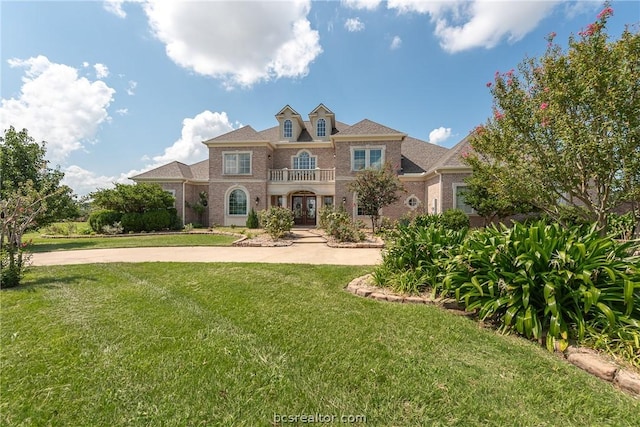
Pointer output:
x,y
41,244
246,344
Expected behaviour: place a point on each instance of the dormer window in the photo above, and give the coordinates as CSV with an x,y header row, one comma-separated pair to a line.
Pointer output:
x,y
321,128
288,129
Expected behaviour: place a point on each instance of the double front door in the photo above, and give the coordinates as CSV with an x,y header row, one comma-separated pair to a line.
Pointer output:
x,y
304,209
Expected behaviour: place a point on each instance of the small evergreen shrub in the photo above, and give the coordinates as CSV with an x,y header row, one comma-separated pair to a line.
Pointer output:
x,y
100,218
455,219
132,222
252,219
276,221
156,220
621,226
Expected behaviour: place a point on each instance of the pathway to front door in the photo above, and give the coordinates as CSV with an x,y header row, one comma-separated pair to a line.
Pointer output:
x,y
304,209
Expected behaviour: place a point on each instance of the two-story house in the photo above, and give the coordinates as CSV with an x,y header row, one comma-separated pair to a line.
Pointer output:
x,y
304,165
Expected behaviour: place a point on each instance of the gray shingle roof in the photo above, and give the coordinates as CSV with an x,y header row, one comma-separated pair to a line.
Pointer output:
x,y
178,171
453,159
244,134
368,127
419,156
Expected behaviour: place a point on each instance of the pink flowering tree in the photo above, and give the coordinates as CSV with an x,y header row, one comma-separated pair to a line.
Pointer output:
x,y
565,129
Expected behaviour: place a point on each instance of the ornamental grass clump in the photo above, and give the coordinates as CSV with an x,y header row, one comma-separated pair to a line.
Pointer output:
x,y
549,282
417,258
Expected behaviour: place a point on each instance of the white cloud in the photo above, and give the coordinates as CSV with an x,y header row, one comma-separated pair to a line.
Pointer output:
x,y
131,90
101,71
239,42
85,64
396,43
84,182
115,7
56,106
122,111
354,25
362,4
462,25
439,135
189,148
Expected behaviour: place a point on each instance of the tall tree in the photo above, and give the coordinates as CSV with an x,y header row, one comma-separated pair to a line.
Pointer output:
x,y
138,198
376,188
566,127
22,160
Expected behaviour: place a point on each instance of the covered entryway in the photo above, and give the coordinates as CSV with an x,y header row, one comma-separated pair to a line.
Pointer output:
x,y
304,206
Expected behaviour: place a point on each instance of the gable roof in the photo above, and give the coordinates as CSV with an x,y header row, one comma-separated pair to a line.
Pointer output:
x,y
176,171
453,159
368,127
419,156
243,134
173,170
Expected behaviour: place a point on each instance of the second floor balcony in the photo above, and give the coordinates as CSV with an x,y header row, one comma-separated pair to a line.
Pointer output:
x,y
302,175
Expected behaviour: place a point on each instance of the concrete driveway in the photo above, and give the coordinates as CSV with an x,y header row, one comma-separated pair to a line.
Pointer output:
x,y
295,254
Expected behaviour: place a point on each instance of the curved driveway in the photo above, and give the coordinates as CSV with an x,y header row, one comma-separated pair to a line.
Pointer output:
x,y
295,254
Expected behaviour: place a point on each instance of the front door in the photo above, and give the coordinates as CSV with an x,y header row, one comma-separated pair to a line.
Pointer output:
x,y
304,209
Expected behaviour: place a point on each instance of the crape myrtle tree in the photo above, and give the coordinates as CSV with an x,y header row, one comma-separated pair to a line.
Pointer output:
x,y
30,196
565,131
376,188
22,160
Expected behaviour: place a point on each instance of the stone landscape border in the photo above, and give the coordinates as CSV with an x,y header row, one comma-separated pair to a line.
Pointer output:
x,y
584,358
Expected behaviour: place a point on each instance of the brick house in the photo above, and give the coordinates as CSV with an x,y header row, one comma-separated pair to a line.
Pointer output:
x,y
307,164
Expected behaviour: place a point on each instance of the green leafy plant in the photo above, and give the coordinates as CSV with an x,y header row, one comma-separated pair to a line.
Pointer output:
x,y
252,219
277,221
339,224
417,258
100,218
115,228
547,281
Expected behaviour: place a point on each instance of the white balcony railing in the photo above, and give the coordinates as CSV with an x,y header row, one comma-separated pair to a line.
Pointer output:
x,y
302,175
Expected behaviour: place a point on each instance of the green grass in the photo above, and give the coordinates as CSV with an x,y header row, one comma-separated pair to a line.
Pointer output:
x,y
41,244
232,344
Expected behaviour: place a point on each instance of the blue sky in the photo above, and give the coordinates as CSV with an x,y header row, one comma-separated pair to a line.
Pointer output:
x,y
119,87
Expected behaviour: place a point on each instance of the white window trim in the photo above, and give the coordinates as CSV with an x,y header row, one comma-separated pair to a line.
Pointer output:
x,y
457,185
224,168
407,204
226,201
311,156
367,160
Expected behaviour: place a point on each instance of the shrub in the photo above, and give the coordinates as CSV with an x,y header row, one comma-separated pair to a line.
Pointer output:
x,y
132,222
61,229
548,280
100,218
12,266
339,224
156,220
115,228
252,219
621,226
455,219
276,221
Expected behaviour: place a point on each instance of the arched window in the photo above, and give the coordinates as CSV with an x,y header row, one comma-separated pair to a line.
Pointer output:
x,y
322,128
237,202
288,129
304,160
